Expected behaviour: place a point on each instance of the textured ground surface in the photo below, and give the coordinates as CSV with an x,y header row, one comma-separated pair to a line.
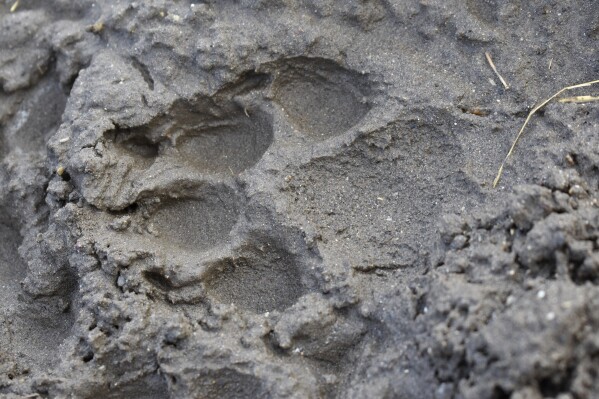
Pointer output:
x,y
291,199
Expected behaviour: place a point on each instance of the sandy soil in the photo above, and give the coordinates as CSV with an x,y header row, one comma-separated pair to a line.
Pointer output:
x,y
292,199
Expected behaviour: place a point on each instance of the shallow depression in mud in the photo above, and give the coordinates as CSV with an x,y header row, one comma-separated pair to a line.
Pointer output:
x,y
214,139
261,279
403,176
321,99
197,223
137,144
229,147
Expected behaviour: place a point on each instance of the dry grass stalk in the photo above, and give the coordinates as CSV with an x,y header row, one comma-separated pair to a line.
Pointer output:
x,y
530,114
492,64
578,99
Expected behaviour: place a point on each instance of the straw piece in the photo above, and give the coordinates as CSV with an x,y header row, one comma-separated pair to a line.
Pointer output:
x,y
534,111
492,64
578,99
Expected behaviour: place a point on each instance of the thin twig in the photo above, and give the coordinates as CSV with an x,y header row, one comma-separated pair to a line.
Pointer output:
x,y
578,99
531,113
490,60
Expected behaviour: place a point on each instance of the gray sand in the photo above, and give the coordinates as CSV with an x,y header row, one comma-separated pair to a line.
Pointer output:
x,y
292,199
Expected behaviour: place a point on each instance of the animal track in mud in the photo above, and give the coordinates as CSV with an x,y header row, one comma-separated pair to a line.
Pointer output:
x,y
213,139
388,187
230,147
198,223
320,98
261,279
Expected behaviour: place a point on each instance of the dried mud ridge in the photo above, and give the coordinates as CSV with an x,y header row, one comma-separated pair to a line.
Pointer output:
x,y
222,200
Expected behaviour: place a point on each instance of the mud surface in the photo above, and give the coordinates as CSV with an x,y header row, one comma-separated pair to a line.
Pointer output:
x,y
291,199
